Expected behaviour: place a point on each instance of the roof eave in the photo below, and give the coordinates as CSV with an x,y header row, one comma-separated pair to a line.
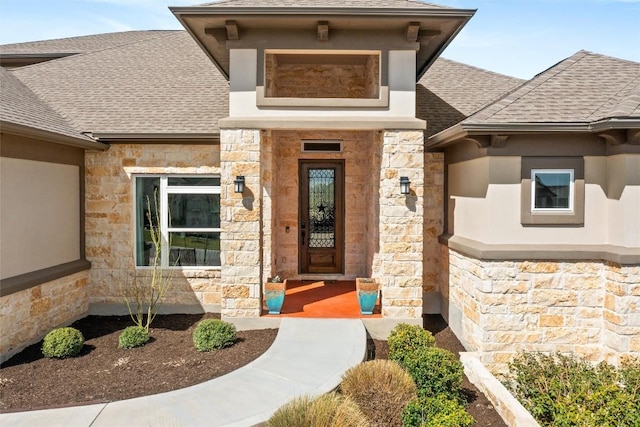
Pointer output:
x,y
57,138
335,11
462,130
158,138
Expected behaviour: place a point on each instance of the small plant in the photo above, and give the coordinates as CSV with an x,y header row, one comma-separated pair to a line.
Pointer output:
x,y
436,371
327,410
144,296
213,334
133,336
561,390
274,279
381,388
62,342
437,411
405,340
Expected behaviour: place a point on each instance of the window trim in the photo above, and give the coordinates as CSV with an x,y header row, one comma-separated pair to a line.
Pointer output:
x,y
163,195
529,216
571,173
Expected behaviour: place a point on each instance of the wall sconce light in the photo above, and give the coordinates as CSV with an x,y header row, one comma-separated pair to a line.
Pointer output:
x,y
238,184
404,185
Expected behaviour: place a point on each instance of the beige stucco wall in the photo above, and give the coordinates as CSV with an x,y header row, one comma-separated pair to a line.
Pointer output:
x,y
243,98
110,222
39,215
484,203
26,316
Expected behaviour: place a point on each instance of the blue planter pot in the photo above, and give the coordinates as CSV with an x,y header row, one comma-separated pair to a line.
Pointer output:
x,y
274,300
367,301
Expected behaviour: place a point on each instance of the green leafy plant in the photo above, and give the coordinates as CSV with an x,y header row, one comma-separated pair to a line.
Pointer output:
x,y
381,388
436,372
439,411
327,410
62,342
560,390
133,336
404,340
144,296
213,334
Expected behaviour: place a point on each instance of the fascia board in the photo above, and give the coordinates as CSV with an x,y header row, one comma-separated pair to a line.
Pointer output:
x,y
26,131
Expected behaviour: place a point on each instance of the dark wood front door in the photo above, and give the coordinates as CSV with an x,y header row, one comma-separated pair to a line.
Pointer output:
x,y
321,222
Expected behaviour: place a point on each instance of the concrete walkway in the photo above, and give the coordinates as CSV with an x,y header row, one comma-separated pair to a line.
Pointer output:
x,y
308,357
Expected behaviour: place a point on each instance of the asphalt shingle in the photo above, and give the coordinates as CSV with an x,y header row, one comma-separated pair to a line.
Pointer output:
x,y
585,87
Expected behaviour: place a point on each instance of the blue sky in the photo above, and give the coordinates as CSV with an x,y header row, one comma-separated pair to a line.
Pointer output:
x,y
515,37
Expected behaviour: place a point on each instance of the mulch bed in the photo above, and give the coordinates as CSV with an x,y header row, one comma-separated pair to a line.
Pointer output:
x,y
103,372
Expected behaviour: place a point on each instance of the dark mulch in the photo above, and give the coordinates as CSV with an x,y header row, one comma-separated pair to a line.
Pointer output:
x,y
104,373
478,405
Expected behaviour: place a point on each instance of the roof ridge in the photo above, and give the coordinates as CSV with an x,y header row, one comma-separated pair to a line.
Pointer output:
x,y
530,85
72,127
632,83
92,52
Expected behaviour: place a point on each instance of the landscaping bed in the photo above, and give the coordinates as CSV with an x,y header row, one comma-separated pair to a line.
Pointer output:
x,y
103,372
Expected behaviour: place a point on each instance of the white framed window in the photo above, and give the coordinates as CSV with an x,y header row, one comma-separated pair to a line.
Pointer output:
x,y
189,217
552,190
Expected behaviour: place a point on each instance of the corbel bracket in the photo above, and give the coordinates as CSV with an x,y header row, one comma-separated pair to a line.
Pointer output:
x,y
323,31
499,141
633,136
413,31
486,141
614,136
232,30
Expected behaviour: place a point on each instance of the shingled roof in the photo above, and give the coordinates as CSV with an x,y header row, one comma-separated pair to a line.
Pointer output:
x,y
163,85
583,88
166,86
586,92
21,110
450,91
326,3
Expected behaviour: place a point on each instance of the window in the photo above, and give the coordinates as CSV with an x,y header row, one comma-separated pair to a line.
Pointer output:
x,y
189,216
552,189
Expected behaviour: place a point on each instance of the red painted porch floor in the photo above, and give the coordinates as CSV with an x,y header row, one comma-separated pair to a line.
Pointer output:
x,y
322,299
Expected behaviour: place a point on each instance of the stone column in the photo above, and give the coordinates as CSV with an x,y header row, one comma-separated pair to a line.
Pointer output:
x,y
401,219
240,222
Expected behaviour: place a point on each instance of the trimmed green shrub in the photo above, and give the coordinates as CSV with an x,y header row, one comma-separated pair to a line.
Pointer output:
x,y
561,390
404,340
437,411
213,334
62,342
381,388
436,371
327,410
133,336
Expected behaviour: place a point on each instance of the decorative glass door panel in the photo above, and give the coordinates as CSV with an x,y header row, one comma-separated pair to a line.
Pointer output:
x,y
321,216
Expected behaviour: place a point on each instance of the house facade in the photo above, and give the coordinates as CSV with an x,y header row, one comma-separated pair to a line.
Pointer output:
x,y
273,140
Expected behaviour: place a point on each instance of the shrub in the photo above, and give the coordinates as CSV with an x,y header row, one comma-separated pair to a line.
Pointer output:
x,y
62,342
436,371
327,410
133,336
213,334
437,411
404,340
563,390
381,388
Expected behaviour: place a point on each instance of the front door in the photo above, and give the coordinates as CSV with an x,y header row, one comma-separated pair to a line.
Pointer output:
x,y
321,222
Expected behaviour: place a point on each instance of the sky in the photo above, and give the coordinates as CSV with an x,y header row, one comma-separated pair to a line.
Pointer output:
x,y
520,38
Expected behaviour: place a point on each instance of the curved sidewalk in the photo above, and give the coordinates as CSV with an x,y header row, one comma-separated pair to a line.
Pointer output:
x,y
308,356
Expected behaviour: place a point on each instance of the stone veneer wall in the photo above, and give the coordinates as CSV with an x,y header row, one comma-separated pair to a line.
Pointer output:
x,y
433,219
358,151
498,308
241,222
399,262
110,227
26,316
